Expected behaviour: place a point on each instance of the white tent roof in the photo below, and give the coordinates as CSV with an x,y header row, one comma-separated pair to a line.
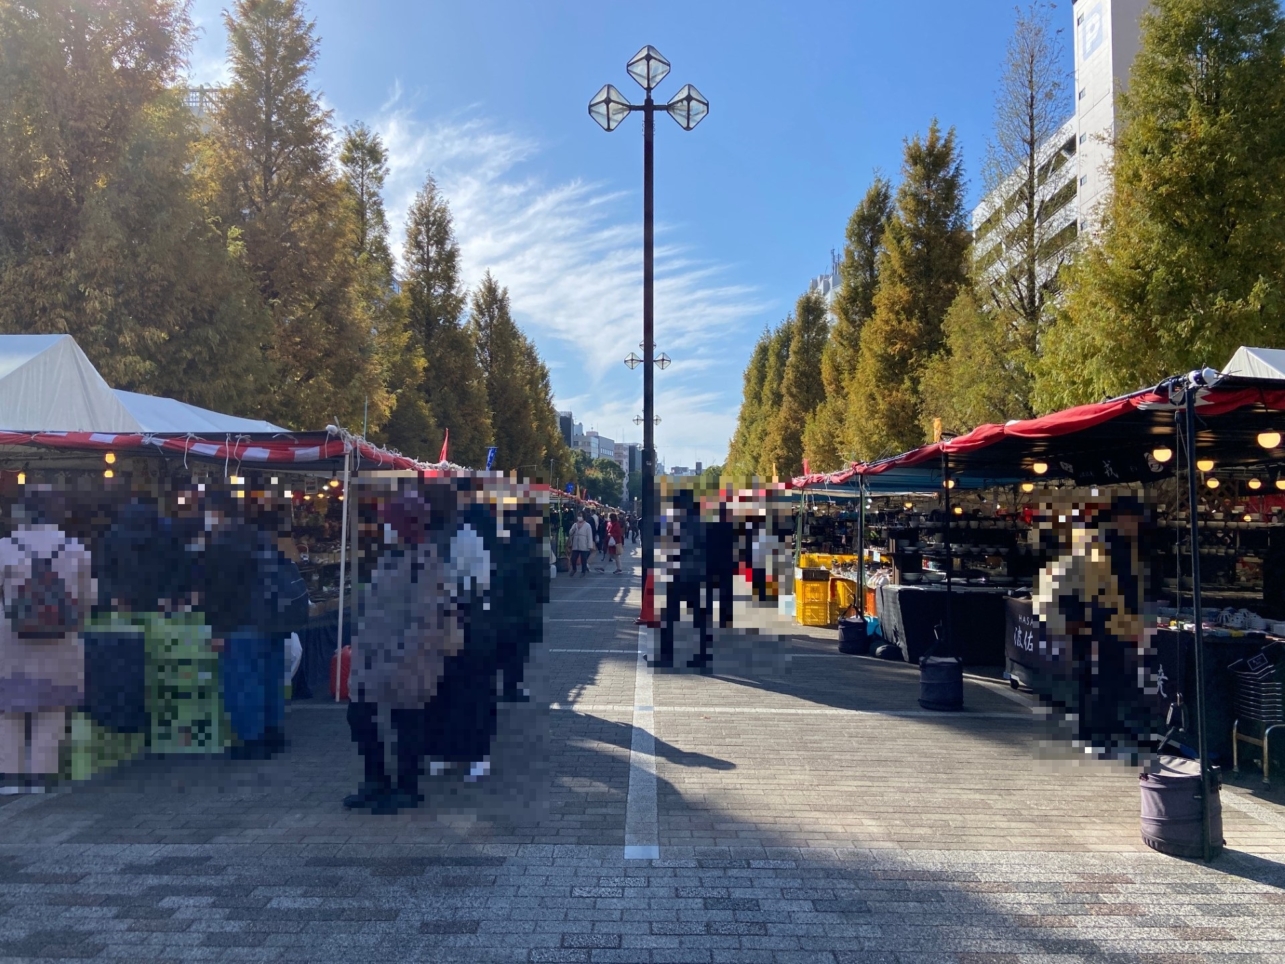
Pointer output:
x,y
170,416
48,385
1257,363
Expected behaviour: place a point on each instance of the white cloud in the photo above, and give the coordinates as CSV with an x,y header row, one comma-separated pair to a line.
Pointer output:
x,y
570,253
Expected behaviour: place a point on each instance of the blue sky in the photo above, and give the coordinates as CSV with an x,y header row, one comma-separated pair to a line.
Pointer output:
x,y
808,100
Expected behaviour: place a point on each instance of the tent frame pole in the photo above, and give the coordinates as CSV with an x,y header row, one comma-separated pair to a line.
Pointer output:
x,y
861,545
945,487
1202,741
343,571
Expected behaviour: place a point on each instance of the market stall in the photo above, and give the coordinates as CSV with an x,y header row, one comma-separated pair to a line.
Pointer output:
x,y
1176,487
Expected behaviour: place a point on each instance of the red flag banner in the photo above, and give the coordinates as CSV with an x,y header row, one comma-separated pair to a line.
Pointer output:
x,y
446,442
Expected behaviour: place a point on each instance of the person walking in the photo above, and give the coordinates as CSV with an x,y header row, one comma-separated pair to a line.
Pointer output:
x,y
581,543
615,539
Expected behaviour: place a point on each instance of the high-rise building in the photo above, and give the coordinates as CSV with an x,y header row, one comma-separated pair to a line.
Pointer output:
x,y
567,426
1107,37
1075,162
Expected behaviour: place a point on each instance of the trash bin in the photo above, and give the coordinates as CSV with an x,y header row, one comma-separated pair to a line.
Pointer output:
x,y
1172,808
852,635
941,683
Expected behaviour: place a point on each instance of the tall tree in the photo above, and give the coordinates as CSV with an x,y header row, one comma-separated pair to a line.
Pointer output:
x,y
502,357
859,275
271,182
801,388
1031,105
827,439
770,397
922,266
363,168
1192,256
454,386
976,377
747,441
99,237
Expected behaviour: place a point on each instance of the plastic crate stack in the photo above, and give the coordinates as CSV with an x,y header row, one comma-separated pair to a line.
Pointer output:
x,y
1260,705
183,698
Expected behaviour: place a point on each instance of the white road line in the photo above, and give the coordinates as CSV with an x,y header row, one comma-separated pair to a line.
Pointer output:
x,y
642,826
622,652
787,711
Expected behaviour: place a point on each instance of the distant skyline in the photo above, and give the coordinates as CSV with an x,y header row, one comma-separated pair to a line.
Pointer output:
x,y
808,102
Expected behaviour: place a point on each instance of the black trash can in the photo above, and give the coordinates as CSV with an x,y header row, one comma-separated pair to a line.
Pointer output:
x,y
941,683
852,635
1172,810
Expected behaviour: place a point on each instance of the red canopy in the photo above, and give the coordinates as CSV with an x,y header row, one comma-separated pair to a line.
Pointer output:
x,y
1105,442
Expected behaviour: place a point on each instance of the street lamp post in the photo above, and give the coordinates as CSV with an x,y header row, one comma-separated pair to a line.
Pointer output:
x,y
608,108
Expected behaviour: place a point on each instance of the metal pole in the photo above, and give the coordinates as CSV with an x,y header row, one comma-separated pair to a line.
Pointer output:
x,y
1202,743
648,346
861,544
945,484
343,567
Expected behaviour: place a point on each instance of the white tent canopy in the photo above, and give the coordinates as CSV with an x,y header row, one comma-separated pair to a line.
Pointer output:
x,y
170,416
48,385
1257,363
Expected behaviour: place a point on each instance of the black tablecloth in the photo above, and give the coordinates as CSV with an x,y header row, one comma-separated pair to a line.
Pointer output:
x,y
908,616
116,679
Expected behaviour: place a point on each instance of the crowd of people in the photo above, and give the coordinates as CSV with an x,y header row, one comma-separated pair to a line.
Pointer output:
x,y
605,533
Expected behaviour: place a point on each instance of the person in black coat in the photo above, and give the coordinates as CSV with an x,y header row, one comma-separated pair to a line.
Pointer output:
x,y
720,571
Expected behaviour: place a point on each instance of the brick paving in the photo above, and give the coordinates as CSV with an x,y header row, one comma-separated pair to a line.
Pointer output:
x,y
807,811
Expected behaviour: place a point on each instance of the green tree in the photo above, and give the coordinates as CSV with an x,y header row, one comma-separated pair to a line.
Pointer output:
x,y
99,236
1191,262
801,388
921,268
747,441
363,167
503,359
454,386
826,439
271,183
770,397
976,378
550,444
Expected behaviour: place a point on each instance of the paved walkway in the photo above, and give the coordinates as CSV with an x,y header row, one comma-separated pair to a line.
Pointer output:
x,y
803,807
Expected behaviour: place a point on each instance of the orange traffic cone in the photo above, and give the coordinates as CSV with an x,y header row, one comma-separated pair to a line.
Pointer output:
x,y
648,615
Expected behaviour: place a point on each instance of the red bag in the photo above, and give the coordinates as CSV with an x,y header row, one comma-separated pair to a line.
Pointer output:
x,y
344,659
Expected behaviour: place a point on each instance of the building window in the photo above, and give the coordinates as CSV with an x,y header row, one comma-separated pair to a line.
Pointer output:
x,y
1083,138
1083,91
1084,179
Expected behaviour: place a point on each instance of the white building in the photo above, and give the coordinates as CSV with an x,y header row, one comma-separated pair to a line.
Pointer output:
x,y
1107,37
1076,160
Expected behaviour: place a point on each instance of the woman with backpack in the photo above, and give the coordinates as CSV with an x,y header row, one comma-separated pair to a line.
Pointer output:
x,y
46,588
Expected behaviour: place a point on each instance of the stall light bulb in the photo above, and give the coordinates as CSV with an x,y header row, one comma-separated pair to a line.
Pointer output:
x,y
959,510
238,480
1028,486
1213,483
1247,517
22,478
108,474
1255,484
950,483
1280,484
288,494
1269,440
907,505
110,458
334,483
1205,465
1039,468
1162,454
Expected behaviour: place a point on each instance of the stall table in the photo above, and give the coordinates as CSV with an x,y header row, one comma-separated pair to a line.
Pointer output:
x,y
908,616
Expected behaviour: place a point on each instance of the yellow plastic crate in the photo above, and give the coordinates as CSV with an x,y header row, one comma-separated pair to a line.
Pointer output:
x,y
816,613
825,560
811,591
